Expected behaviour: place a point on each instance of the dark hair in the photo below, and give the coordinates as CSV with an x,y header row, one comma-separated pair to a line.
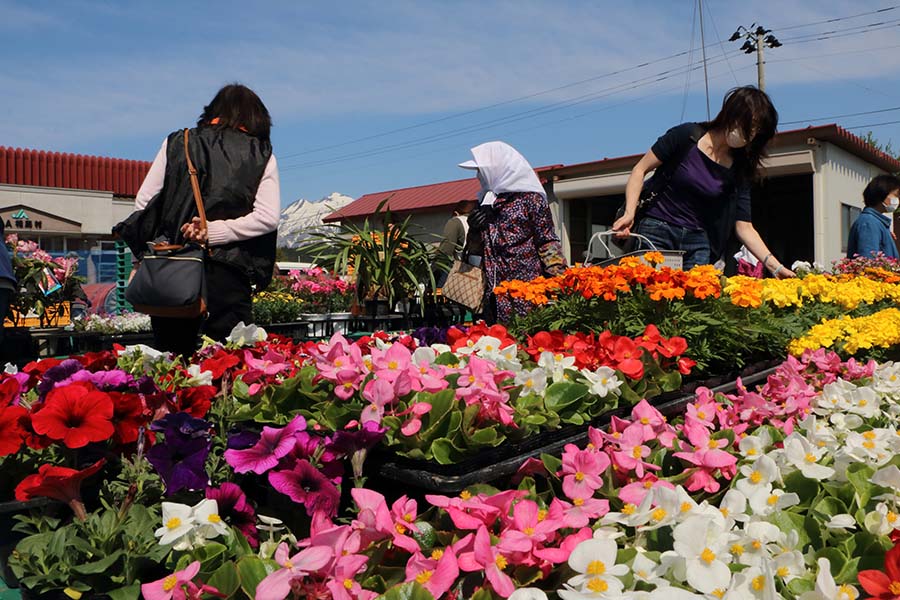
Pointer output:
x,y
750,109
879,188
238,107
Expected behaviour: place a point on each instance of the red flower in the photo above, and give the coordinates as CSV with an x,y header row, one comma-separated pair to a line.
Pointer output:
x,y
9,390
650,338
59,483
97,361
674,346
685,365
37,368
627,355
196,401
128,416
543,341
884,585
77,414
219,362
11,432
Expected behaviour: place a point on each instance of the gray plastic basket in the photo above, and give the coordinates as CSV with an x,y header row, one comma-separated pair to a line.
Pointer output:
x,y
671,258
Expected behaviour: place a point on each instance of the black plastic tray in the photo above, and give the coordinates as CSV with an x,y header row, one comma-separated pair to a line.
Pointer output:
x,y
503,461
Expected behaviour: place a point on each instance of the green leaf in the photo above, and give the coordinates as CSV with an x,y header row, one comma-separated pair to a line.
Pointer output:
x,y
98,566
407,591
562,394
860,477
252,570
225,579
551,463
129,592
445,452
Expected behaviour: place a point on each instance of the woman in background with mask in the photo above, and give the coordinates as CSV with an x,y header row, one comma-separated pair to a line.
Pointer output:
x,y
871,232
511,232
701,185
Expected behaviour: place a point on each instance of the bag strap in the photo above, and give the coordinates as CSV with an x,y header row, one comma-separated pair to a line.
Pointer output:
x,y
195,184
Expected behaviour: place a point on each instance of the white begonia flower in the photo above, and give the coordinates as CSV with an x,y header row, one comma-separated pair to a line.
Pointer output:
x,y
835,396
528,593
754,546
508,359
487,346
441,349
178,523
865,403
886,379
752,447
532,381
198,377
644,569
757,475
804,456
872,447
595,562
789,565
207,520
766,502
608,533
888,477
882,520
702,543
841,521
631,515
826,588
602,382
424,354
246,335
556,364
673,593
842,422
733,507
753,583
666,510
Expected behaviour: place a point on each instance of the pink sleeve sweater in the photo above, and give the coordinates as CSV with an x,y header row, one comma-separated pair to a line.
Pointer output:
x,y
261,220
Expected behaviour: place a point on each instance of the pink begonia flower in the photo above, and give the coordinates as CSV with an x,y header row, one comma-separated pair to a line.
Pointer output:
x,y
414,424
634,493
343,584
346,383
530,528
435,573
703,410
425,378
653,422
581,471
373,521
272,363
273,445
478,383
277,585
389,364
561,554
342,539
632,451
579,512
489,559
178,586
466,511
403,513
379,393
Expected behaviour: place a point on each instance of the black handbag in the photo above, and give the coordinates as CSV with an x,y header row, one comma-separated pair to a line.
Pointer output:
x,y
170,280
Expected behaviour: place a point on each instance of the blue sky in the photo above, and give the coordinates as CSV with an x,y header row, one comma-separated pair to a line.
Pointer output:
x,y
370,96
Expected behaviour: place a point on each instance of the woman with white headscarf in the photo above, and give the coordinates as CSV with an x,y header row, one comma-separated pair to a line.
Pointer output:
x,y
512,226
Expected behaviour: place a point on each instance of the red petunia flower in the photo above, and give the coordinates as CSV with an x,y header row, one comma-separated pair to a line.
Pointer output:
x,y
9,390
883,585
11,432
196,401
59,483
128,416
77,414
218,363
97,361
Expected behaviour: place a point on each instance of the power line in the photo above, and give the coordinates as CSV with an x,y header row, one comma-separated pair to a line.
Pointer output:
x,y
646,80
835,33
687,79
836,19
721,45
873,125
856,114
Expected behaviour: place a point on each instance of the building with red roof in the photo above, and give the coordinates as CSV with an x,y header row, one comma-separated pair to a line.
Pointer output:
x,y
68,202
809,194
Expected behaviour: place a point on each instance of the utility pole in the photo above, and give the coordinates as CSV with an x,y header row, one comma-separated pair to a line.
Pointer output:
x,y
756,40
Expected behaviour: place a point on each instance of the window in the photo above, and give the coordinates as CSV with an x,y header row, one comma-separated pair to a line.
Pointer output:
x,y
849,214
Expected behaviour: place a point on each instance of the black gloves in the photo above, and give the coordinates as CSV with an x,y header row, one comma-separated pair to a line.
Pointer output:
x,y
480,217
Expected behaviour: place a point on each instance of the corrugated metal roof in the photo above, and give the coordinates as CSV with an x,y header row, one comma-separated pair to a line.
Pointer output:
x,y
417,198
74,171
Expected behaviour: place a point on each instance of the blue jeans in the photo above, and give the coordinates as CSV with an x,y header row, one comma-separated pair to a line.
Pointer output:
x,y
666,236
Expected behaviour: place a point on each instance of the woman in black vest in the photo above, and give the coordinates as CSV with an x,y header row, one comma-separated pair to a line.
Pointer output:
x,y
238,177
701,186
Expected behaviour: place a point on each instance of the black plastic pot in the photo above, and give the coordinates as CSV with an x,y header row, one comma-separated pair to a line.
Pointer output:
x,y
385,471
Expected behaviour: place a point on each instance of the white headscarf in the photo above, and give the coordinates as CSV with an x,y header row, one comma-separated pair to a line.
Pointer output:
x,y
504,169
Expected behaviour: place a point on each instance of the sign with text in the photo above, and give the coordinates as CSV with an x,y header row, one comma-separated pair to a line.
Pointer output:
x,y
25,219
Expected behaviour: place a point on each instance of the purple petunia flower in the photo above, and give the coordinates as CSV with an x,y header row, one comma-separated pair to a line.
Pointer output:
x,y
241,439
348,441
305,485
59,373
181,423
181,462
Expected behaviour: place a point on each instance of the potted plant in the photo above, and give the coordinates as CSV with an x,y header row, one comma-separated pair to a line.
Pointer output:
x,y
387,261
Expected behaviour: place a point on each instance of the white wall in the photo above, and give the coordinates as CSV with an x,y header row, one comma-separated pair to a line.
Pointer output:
x,y
96,211
840,178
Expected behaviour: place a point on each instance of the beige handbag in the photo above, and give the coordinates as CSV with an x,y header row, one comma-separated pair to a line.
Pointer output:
x,y
465,285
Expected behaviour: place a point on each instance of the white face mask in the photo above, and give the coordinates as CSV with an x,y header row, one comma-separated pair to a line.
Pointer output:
x,y
735,138
892,203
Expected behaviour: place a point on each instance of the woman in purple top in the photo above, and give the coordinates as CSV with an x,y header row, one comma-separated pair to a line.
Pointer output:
x,y
701,186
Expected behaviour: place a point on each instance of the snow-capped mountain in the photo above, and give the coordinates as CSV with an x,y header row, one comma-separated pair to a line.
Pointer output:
x,y
304,216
